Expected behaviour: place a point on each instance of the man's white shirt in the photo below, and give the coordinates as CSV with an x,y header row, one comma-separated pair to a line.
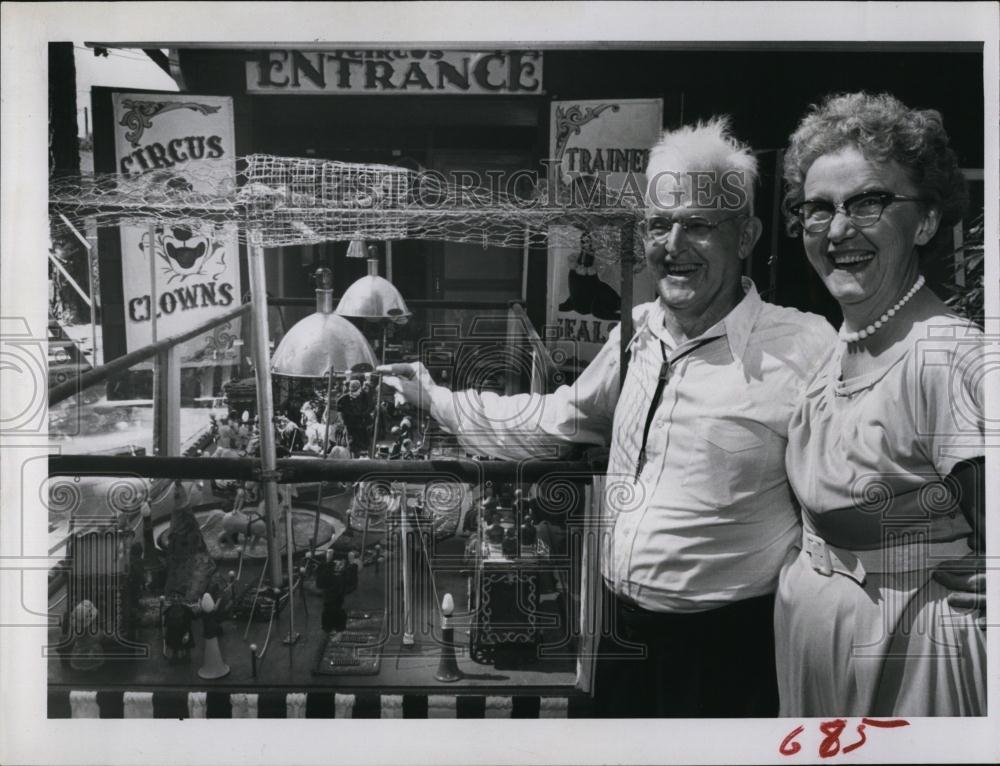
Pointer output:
x,y
710,517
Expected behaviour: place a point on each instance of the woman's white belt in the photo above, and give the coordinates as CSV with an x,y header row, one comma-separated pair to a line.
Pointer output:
x,y
908,557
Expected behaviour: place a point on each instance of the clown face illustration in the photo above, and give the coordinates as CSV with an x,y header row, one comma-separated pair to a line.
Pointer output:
x,y
186,252
184,247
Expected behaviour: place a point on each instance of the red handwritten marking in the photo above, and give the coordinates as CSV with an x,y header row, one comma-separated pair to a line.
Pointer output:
x,y
830,746
788,746
860,742
892,724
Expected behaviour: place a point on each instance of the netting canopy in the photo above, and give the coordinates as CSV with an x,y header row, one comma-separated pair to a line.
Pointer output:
x,y
281,201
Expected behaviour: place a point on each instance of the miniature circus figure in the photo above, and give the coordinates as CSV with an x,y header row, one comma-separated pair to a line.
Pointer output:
x,y
85,636
237,523
289,433
330,579
190,573
355,408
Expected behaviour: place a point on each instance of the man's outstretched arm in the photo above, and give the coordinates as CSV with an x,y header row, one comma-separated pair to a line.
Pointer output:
x,y
523,425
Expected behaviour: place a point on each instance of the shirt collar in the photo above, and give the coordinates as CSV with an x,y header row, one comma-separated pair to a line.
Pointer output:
x,y
736,326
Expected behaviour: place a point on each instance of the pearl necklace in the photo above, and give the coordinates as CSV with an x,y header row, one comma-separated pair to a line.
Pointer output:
x,y
854,337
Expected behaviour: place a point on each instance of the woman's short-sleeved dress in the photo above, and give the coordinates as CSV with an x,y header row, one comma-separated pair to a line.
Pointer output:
x,y
860,626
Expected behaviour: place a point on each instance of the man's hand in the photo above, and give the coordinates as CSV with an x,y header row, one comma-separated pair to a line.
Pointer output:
x,y
967,578
412,381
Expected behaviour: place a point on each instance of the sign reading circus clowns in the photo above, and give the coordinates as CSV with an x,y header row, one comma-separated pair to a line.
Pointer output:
x,y
395,72
184,142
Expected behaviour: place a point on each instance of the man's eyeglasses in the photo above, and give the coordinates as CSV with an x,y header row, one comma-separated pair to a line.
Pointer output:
x,y
658,229
864,209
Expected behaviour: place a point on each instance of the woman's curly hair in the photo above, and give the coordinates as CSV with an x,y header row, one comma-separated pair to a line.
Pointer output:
x,y
883,129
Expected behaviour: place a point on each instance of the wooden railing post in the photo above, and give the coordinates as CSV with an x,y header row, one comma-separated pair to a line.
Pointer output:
x,y
167,403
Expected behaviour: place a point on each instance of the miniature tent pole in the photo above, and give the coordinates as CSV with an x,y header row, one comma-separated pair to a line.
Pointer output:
x,y
373,452
326,442
364,536
265,402
292,636
404,535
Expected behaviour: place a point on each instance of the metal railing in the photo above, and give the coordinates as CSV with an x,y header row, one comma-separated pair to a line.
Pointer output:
x,y
304,470
166,374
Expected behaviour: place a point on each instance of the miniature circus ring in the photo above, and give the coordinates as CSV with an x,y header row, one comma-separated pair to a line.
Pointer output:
x,y
223,547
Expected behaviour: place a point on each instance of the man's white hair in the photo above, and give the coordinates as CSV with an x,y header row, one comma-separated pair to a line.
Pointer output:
x,y
708,146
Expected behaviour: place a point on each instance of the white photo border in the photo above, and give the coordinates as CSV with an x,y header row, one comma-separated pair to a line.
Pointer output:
x,y
27,736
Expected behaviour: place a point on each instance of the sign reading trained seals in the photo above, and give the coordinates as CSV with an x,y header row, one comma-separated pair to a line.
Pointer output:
x,y
605,145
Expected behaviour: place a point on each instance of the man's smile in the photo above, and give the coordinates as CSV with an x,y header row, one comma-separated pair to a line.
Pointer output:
x,y
680,269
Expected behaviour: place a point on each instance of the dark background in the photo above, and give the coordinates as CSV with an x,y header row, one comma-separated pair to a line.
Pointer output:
x,y
766,90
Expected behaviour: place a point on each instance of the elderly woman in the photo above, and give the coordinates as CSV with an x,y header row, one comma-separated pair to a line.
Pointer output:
x,y
885,452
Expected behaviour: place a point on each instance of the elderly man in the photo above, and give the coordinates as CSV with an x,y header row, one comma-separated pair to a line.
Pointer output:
x,y
697,430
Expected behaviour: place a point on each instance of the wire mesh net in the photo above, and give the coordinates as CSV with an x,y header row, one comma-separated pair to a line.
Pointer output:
x,y
282,201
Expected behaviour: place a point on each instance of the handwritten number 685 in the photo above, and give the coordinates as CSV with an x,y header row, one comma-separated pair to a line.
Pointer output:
x,y
832,730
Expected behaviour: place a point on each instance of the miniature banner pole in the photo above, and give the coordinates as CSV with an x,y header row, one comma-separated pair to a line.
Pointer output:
x,y
153,307
373,452
326,441
404,554
292,636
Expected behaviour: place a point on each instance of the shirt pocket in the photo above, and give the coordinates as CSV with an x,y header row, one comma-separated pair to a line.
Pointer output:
x,y
726,463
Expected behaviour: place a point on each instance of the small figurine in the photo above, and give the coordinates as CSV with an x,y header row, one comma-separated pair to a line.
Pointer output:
x,y
339,453
236,523
448,663
212,666
243,432
253,660
509,544
285,429
351,573
226,436
312,429
355,408
240,499
253,443
529,536
190,572
85,648
330,580
494,535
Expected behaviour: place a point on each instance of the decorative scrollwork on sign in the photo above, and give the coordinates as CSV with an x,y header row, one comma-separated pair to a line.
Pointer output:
x,y
570,120
220,340
140,114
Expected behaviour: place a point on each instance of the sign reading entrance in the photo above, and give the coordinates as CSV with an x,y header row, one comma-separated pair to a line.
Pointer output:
x,y
395,72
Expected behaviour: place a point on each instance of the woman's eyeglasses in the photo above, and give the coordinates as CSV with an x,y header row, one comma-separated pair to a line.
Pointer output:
x,y
864,209
658,229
